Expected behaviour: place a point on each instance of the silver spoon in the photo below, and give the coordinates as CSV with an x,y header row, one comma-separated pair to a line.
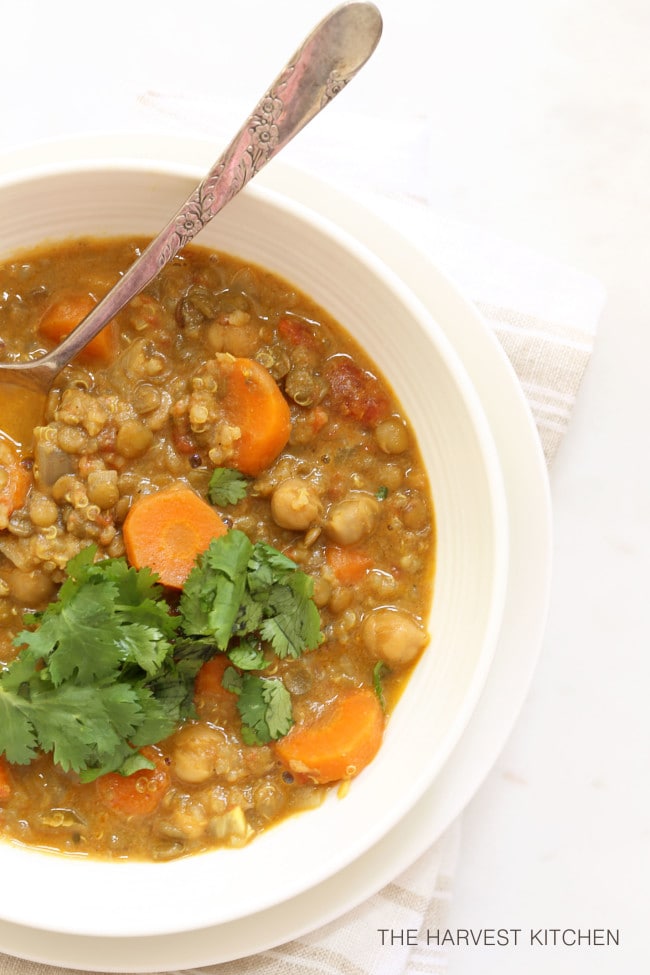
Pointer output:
x,y
329,57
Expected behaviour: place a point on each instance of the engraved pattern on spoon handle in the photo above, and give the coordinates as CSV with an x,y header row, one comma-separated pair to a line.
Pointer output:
x,y
329,57
325,63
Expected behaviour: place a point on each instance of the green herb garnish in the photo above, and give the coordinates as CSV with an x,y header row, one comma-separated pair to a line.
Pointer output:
x,y
378,672
239,588
82,685
227,486
108,668
264,705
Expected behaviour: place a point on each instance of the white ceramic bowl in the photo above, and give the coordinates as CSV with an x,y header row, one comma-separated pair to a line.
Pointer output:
x,y
108,198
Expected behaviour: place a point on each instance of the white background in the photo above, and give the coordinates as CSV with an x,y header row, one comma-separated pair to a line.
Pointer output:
x,y
531,119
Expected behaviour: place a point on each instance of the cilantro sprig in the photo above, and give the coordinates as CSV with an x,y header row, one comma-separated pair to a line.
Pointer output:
x,y
239,588
108,667
82,684
248,594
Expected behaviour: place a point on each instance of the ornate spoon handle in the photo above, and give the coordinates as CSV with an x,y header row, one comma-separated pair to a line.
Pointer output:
x,y
330,56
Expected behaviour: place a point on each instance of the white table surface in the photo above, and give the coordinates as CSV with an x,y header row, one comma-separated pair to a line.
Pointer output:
x,y
532,120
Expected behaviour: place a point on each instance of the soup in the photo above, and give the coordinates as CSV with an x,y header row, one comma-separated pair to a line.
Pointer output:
x,y
216,558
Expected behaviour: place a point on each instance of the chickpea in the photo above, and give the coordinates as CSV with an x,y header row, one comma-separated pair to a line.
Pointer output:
x,y
322,591
391,435
79,408
196,752
236,335
352,519
42,510
393,636
268,800
133,439
415,515
295,504
73,440
68,489
391,476
190,819
340,599
143,361
30,588
103,489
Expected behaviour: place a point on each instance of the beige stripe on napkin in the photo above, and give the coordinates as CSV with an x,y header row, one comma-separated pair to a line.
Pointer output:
x,y
550,360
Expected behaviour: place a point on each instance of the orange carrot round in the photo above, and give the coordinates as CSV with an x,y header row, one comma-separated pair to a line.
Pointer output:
x,y
137,794
167,530
66,312
6,785
14,481
339,743
254,403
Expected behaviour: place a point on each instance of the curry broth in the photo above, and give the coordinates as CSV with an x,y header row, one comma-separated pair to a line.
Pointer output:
x,y
347,499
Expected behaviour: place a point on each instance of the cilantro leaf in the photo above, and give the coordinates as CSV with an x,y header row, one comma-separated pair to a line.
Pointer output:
x,y
264,705
214,589
85,726
248,655
78,634
279,716
19,741
227,486
293,621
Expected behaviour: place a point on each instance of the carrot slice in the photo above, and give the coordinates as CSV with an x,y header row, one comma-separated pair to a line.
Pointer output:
x,y
65,313
6,785
167,530
339,743
14,481
137,794
254,403
349,565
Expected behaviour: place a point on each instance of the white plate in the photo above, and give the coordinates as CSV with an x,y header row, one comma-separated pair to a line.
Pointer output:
x,y
526,606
